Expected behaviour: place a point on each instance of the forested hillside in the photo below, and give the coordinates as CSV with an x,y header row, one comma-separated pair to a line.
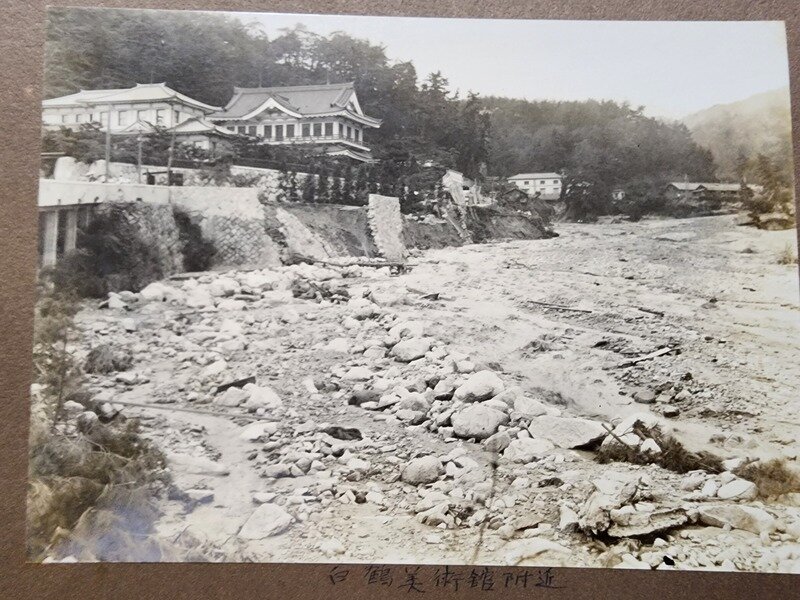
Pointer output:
x,y
602,144
738,132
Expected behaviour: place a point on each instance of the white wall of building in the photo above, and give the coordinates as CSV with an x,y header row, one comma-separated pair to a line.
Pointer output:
x,y
547,187
163,114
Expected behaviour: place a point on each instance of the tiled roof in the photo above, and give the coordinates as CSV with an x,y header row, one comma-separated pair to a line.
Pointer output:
x,y
141,92
305,100
201,125
536,176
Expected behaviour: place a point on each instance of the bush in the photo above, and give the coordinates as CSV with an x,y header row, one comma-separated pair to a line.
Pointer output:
x,y
198,253
673,456
111,256
772,478
787,256
74,475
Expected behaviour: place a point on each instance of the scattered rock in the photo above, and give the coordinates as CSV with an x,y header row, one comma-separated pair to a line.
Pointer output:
x,y
567,432
477,421
199,465
411,349
737,516
524,450
480,386
425,469
644,396
738,489
266,521
498,442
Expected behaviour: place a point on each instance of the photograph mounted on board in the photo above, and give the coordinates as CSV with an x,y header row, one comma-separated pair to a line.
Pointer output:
x,y
319,288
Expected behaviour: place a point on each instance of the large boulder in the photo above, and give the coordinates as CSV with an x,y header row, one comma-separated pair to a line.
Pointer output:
x,y
407,329
747,518
524,450
267,520
411,349
261,397
480,386
498,442
528,408
567,432
738,489
477,421
425,469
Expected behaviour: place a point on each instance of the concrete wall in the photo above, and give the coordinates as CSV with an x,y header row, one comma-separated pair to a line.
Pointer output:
x,y
245,229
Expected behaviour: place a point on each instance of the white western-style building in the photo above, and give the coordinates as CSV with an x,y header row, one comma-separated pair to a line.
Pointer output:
x,y
125,110
546,185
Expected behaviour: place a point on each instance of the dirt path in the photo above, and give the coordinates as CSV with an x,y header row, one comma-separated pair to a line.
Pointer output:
x,y
711,292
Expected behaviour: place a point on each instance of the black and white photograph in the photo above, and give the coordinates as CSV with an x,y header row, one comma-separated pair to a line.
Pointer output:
x,y
377,291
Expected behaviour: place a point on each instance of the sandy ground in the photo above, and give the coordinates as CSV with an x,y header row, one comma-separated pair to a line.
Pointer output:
x,y
711,291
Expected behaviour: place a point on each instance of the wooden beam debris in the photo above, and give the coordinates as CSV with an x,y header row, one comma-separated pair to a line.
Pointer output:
x,y
639,359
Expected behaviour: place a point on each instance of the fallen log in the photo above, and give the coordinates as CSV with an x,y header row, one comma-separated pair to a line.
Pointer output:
x,y
639,359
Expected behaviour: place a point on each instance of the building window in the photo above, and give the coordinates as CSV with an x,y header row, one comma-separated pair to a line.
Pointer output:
x,y
358,135
160,116
251,130
103,118
317,129
527,183
306,130
241,129
278,132
290,131
176,116
63,118
328,129
141,115
120,117
268,131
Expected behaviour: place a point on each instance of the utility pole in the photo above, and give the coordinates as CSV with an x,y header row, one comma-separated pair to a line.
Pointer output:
x,y
139,158
170,153
108,142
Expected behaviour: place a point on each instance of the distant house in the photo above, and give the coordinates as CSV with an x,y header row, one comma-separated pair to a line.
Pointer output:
x,y
326,117
124,110
546,185
677,190
203,134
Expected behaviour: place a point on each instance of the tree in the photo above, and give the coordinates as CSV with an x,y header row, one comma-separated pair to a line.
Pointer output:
x,y
323,187
336,195
309,193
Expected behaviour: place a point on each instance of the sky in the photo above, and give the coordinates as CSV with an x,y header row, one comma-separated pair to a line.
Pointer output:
x,y
672,68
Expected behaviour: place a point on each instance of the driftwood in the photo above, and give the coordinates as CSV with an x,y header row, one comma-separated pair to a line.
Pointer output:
x,y
616,437
639,359
559,306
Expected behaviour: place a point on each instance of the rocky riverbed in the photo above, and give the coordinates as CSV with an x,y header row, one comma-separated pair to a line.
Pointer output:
x,y
455,412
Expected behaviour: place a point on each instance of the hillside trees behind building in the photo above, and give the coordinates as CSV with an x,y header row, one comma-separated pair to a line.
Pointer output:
x,y
426,124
